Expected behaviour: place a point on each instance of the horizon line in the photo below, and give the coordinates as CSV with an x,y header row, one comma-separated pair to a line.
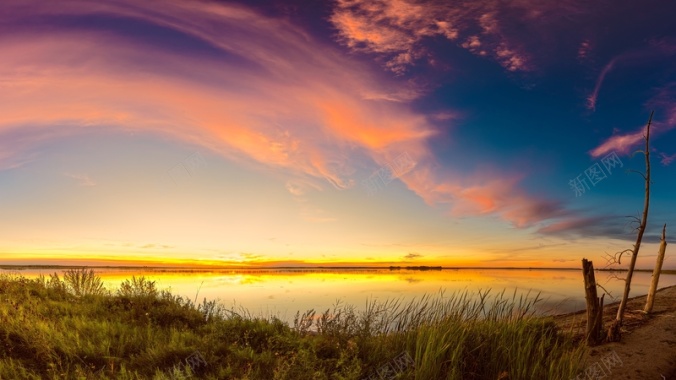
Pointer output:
x,y
389,267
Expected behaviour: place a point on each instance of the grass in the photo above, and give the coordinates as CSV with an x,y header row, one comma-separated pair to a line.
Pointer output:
x,y
74,328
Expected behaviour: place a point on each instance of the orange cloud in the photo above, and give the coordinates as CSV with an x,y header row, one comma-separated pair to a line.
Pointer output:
x,y
484,194
273,96
293,112
397,29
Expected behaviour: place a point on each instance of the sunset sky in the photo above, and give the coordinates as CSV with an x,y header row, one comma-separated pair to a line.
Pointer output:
x,y
334,132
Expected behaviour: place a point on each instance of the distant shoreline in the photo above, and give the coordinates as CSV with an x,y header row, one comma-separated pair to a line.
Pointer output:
x,y
345,268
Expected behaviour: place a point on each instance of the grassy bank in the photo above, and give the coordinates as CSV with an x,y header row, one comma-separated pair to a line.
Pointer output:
x,y
72,327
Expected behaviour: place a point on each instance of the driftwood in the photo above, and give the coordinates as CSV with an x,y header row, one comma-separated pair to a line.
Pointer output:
x,y
656,271
594,305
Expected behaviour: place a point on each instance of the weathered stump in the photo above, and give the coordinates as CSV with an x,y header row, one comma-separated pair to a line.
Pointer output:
x,y
614,331
594,305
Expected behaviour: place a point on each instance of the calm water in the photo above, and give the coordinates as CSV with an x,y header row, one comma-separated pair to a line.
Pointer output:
x,y
283,292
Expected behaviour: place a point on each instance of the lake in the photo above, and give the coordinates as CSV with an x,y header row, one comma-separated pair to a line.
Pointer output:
x,y
282,292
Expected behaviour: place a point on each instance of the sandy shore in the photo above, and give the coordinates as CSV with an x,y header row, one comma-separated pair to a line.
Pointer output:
x,y
648,347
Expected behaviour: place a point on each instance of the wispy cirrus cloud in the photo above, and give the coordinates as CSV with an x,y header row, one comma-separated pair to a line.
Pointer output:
x,y
530,248
657,49
620,143
156,246
579,225
273,96
625,143
666,160
17,143
278,111
603,227
82,179
593,97
484,193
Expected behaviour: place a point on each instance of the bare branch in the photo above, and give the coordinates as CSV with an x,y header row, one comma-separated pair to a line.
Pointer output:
x,y
610,260
619,257
637,172
605,290
636,221
641,151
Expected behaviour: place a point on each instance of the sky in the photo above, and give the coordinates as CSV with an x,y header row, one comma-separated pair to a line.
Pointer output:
x,y
346,132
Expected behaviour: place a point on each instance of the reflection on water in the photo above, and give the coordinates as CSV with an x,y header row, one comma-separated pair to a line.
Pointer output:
x,y
282,292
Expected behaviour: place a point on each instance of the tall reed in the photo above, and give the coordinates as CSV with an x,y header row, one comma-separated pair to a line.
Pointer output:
x,y
138,332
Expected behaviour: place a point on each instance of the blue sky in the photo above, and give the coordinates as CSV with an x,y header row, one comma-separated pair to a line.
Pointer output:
x,y
351,131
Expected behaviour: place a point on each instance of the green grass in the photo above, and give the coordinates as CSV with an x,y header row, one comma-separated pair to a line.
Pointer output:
x,y
74,328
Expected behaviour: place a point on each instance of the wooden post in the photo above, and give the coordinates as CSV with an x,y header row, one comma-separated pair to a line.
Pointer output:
x,y
594,305
656,271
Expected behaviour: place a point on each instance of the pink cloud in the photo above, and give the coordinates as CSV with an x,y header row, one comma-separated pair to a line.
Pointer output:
x,y
632,141
86,79
484,193
592,98
473,43
510,59
489,23
666,159
396,30
393,27
620,144
583,50
656,50
359,32
303,109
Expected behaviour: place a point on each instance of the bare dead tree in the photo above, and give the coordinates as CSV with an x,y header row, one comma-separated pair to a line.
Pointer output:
x,y
614,333
656,272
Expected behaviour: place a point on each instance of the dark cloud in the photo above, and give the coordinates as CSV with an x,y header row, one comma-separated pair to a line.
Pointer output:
x,y
412,256
606,227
